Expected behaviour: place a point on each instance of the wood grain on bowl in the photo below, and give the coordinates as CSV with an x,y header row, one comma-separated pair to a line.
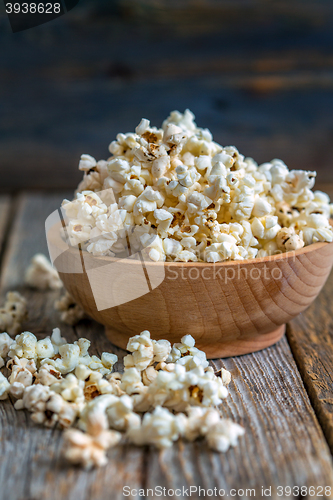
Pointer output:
x,y
230,308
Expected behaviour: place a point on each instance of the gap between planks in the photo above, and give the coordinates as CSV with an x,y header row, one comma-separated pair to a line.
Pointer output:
x,y
283,445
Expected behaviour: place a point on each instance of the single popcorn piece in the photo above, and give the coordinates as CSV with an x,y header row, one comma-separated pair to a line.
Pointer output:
x,y
149,375
22,375
41,275
55,411
47,375
13,313
189,193
70,356
145,351
179,388
121,415
224,434
199,421
185,353
34,398
114,380
93,383
159,428
89,449
71,388
132,384
71,312
104,365
57,340
288,240
225,376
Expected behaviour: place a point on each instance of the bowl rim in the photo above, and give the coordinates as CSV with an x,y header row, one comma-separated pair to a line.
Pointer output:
x,y
53,235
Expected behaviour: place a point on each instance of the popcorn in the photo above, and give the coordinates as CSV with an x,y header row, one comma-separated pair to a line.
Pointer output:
x,y
114,380
224,434
186,354
57,340
93,383
199,421
73,388
55,411
174,178
27,346
149,375
145,351
287,239
104,365
121,415
41,275
70,356
71,312
225,376
159,428
89,449
5,342
4,387
13,313
22,375
47,375
179,388
87,162
34,398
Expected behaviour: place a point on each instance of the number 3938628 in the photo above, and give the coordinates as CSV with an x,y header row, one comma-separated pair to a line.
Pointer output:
x,y
25,14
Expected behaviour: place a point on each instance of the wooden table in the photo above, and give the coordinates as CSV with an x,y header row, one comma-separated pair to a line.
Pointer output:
x,y
283,396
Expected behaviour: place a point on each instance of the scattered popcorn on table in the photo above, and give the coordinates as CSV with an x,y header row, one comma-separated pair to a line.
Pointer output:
x,y
47,375
165,393
71,312
41,275
187,198
13,313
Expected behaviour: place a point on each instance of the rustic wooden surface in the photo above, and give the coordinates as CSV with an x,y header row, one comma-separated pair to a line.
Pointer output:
x,y
258,74
284,444
311,340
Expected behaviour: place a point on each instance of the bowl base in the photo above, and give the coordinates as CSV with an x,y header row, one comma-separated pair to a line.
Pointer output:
x,y
218,350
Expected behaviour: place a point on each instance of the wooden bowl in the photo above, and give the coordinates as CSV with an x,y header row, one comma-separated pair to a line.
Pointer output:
x,y
230,308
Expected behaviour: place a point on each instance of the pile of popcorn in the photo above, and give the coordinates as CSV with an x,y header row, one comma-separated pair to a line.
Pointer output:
x,y
164,393
185,198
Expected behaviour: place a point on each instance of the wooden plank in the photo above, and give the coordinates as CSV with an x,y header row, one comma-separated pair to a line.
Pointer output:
x,y
310,336
283,445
